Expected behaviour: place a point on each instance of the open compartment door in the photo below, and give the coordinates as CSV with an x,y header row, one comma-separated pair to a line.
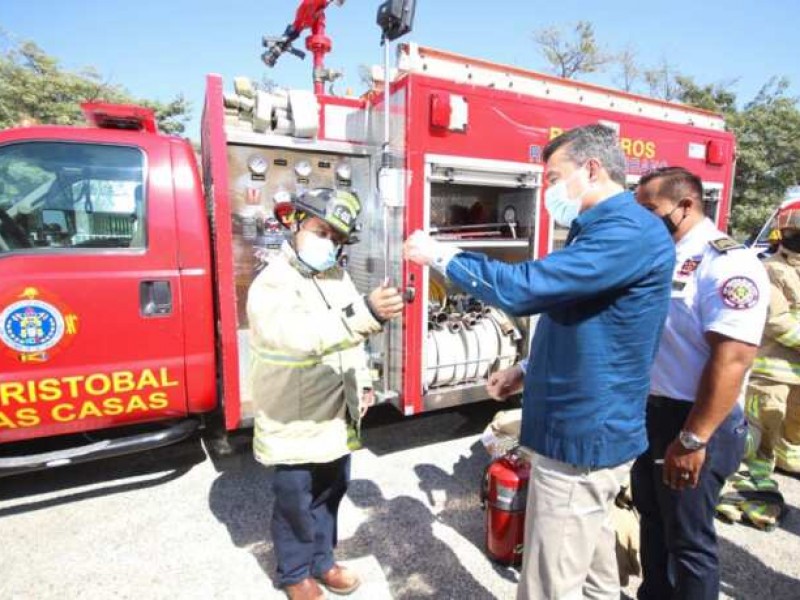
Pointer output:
x,y
215,182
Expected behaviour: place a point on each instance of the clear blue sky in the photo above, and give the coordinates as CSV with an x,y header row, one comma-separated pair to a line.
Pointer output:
x,y
157,49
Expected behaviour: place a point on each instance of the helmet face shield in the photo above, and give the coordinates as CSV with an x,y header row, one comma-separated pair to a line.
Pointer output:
x,y
788,219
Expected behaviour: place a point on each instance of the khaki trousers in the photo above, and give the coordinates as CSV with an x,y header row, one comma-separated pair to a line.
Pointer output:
x,y
774,408
569,550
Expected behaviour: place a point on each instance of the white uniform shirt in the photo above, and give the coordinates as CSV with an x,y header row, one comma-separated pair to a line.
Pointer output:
x,y
723,292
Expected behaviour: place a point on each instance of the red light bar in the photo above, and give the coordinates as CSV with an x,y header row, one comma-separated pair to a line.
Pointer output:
x,y
119,116
715,153
441,110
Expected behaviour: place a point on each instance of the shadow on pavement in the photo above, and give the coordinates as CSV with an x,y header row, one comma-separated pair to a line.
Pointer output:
x,y
108,475
385,430
241,499
461,492
742,580
399,534
791,520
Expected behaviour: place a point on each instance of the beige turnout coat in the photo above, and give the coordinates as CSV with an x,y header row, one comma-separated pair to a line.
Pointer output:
x,y
307,360
779,356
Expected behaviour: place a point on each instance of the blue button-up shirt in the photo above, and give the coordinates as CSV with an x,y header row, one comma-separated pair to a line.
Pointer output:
x,y
603,299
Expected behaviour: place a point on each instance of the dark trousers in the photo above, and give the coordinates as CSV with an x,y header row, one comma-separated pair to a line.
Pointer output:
x,y
678,539
304,517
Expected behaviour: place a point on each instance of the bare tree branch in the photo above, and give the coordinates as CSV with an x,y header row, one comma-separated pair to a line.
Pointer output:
x,y
571,57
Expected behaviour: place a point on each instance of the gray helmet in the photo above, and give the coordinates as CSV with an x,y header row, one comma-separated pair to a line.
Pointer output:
x,y
338,208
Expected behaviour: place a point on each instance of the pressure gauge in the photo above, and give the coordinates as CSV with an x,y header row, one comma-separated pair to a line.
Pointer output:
x,y
257,164
344,171
302,169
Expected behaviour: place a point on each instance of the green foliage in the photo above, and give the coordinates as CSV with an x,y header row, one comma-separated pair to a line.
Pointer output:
x,y
716,97
767,133
34,87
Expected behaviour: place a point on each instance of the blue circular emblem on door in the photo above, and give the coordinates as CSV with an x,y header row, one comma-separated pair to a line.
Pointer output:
x,y
31,326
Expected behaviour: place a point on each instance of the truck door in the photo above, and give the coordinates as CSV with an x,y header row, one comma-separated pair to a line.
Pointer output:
x,y
90,317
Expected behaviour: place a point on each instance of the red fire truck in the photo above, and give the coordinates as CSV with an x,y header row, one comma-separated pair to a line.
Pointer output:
x,y
124,265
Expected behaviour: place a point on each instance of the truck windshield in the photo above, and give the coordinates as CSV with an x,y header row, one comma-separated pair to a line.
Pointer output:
x,y
70,195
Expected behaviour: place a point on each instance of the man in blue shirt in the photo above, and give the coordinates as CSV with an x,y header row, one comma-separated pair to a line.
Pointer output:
x,y
603,300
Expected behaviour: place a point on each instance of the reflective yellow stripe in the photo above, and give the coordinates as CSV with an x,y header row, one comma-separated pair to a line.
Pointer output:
x,y
297,362
340,347
751,406
790,338
350,201
786,453
283,360
768,366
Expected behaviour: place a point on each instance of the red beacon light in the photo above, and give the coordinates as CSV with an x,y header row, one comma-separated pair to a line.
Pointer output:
x,y
119,116
715,153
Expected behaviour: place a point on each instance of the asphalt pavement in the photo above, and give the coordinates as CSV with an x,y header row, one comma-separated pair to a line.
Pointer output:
x,y
192,522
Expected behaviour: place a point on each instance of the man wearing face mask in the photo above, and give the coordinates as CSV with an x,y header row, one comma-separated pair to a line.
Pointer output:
x,y
603,299
695,424
309,373
773,396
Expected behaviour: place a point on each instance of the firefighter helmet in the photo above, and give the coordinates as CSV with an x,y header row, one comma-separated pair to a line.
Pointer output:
x,y
789,217
338,208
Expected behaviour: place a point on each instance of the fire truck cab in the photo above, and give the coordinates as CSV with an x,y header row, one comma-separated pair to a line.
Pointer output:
x,y
107,308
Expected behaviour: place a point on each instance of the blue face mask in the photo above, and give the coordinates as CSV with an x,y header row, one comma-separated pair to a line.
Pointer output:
x,y
318,253
561,207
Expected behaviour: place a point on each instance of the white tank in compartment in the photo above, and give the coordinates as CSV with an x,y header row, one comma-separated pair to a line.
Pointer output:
x,y
464,347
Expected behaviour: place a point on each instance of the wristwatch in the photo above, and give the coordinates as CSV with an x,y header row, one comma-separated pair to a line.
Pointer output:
x,y
691,441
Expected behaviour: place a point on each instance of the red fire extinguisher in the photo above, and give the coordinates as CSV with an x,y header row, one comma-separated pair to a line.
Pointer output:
x,y
504,493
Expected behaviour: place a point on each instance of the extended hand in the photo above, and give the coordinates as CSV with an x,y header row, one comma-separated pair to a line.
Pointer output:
x,y
504,383
682,467
421,248
386,302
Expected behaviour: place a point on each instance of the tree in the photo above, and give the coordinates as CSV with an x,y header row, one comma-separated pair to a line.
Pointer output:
x,y
629,72
569,58
767,133
661,81
34,87
768,138
716,97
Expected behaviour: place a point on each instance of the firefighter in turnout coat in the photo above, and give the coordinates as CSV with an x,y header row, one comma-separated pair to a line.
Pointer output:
x,y
773,396
308,372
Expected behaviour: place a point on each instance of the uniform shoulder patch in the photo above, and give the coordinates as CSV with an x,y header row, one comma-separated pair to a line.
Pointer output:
x,y
739,292
722,245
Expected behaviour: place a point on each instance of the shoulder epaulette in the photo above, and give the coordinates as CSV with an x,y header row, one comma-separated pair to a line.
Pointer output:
x,y
722,245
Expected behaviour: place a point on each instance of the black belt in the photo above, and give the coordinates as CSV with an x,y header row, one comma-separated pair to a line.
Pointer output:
x,y
666,402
